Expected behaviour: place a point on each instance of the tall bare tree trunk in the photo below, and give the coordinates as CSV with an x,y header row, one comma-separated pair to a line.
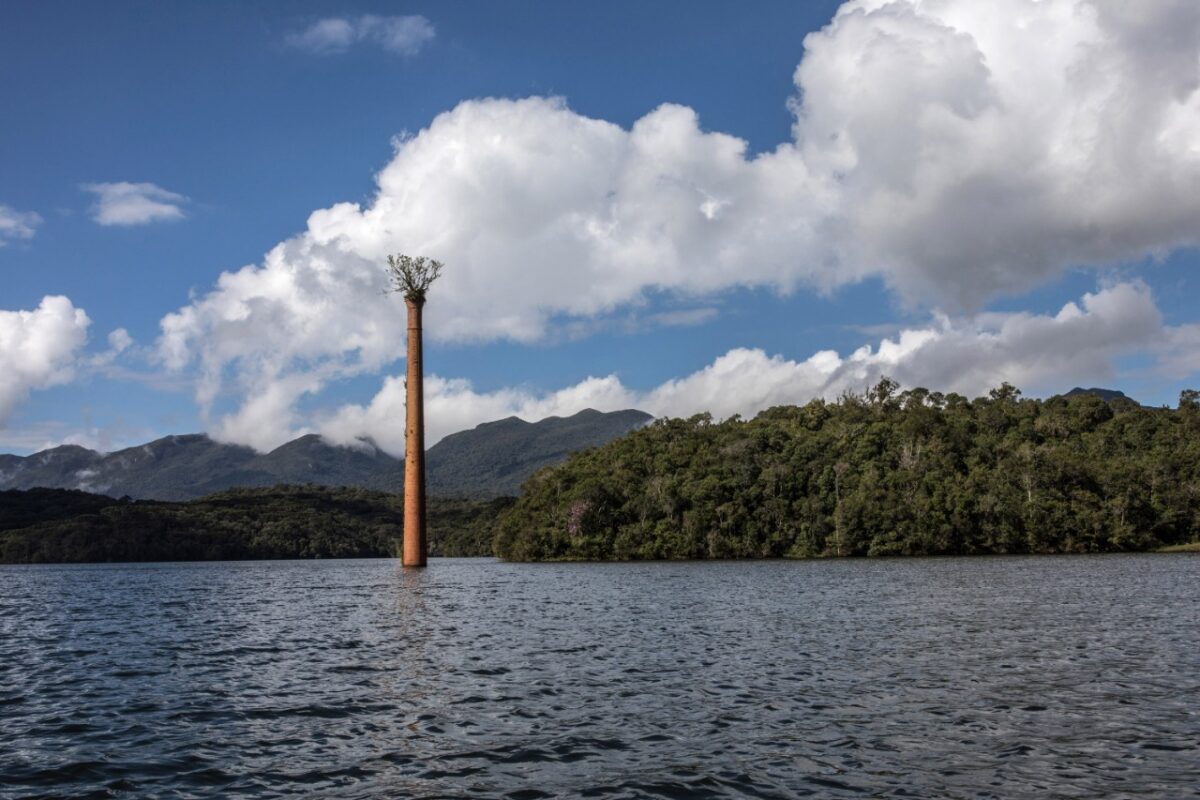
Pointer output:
x,y
414,445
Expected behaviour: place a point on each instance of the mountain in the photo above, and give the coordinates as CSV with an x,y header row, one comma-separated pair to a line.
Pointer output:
x,y
1107,395
495,458
490,460
58,466
310,459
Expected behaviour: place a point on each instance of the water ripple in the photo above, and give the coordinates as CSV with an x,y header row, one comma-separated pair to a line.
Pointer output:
x,y
953,678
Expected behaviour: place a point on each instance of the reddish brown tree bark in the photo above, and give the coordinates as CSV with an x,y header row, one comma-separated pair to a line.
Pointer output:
x,y
415,550
412,277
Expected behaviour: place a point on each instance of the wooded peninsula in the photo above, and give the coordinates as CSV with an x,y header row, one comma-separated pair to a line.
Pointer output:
x,y
882,473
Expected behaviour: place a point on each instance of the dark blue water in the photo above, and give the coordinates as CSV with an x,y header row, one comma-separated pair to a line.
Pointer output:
x,y
955,678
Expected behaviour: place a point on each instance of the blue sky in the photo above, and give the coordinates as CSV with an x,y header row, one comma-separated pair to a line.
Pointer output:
x,y
228,124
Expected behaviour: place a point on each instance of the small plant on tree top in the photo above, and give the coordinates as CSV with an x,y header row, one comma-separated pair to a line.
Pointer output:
x,y
411,276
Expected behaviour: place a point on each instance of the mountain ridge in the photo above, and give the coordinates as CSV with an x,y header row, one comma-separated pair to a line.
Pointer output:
x,y
490,460
1106,395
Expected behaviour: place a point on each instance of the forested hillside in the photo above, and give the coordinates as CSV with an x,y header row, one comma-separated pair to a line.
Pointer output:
x,y
885,473
63,526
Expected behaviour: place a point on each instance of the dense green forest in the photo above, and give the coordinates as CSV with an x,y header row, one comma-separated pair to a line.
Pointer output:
x,y
61,525
883,473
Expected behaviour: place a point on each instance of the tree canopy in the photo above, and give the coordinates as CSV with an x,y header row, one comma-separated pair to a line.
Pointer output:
x,y
62,525
883,473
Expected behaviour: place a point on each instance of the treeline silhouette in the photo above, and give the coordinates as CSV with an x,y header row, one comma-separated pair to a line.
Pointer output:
x,y
61,525
878,474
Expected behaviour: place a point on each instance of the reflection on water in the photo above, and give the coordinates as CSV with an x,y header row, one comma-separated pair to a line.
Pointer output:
x,y
998,677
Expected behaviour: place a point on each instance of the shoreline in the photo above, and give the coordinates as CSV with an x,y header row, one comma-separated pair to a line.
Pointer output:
x,y
1185,549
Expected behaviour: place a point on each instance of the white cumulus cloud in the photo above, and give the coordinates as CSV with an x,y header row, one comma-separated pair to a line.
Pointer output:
x,y
17,224
38,349
124,203
984,147
1038,353
405,35
1182,355
119,342
956,149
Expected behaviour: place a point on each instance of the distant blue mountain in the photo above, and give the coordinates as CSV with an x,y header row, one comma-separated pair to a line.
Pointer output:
x,y
491,460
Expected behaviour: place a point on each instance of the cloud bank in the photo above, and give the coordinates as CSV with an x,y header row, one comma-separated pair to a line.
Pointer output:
x,y
404,35
17,224
38,349
127,204
957,150
971,355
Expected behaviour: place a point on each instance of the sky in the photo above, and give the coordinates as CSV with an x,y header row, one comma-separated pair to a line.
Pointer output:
x,y
674,206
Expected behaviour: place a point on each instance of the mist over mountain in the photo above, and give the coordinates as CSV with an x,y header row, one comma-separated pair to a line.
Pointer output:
x,y
490,460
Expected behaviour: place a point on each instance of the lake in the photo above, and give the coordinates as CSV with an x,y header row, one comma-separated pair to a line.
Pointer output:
x,y
957,678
